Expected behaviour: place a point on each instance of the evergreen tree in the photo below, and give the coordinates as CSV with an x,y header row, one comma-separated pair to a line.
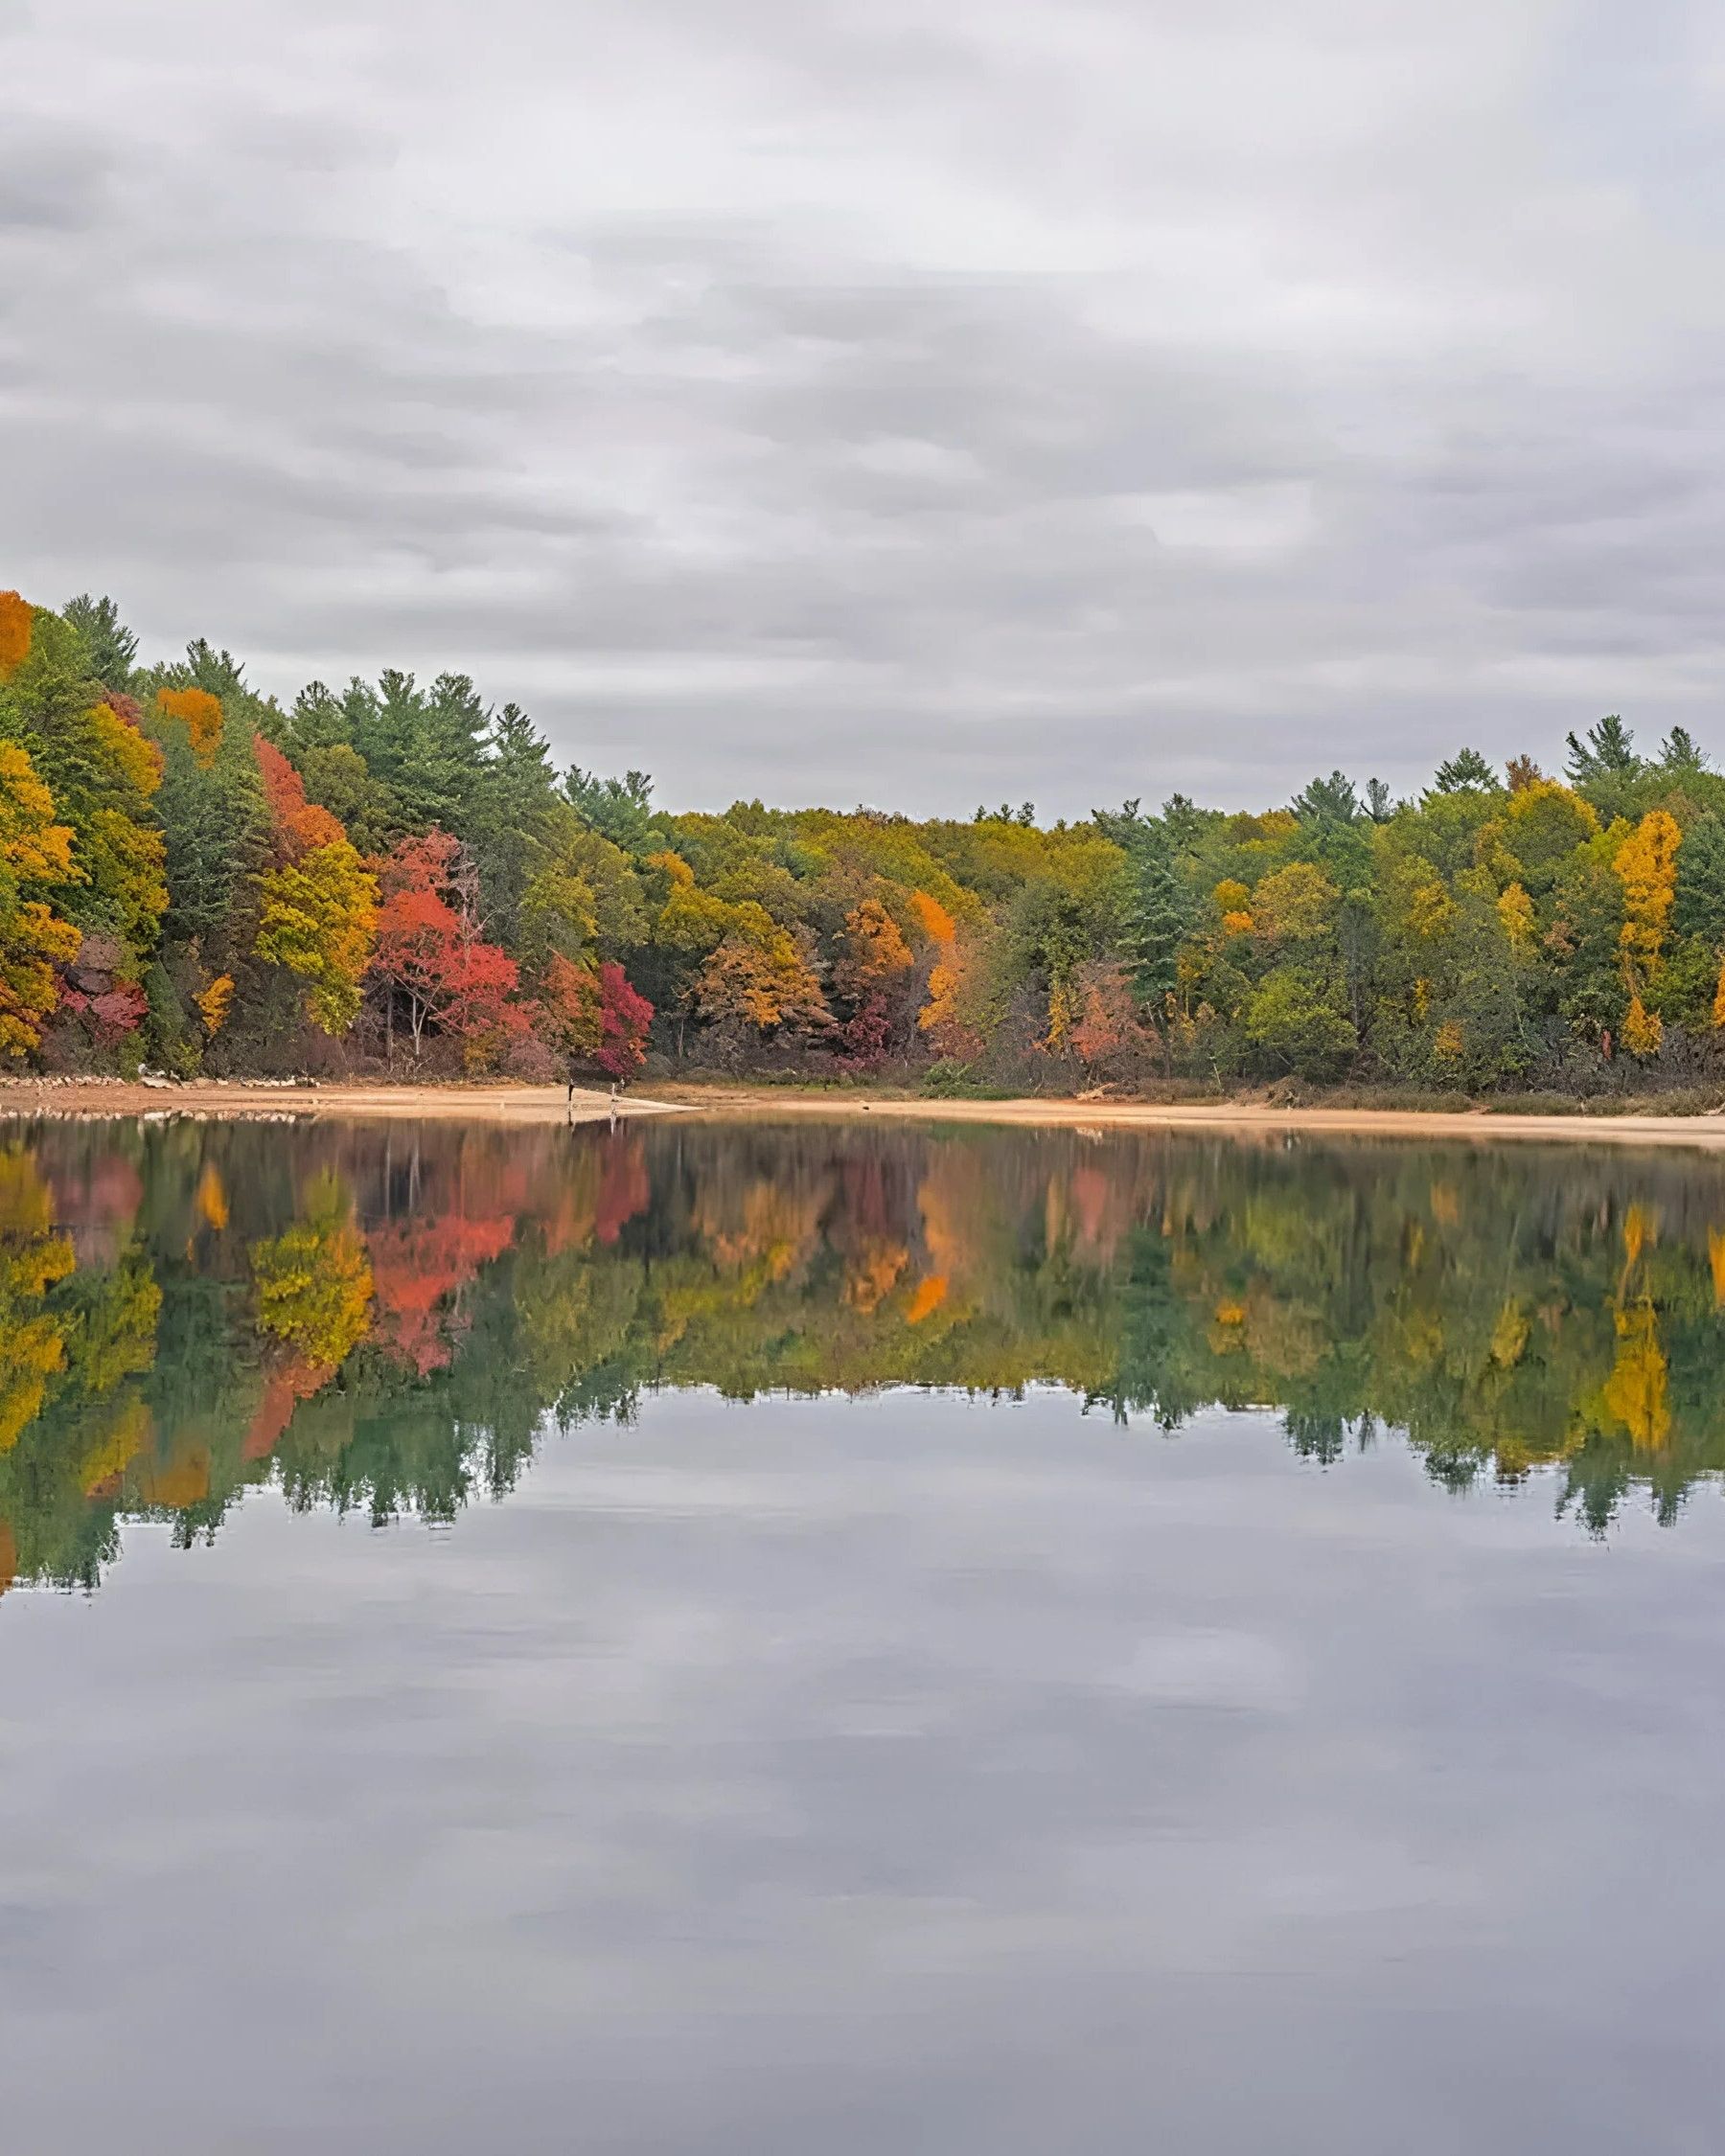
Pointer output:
x,y
108,647
1466,771
1606,758
515,815
1699,909
102,774
1680,753
621,809
1334,829
1328,801
216,822
1156,915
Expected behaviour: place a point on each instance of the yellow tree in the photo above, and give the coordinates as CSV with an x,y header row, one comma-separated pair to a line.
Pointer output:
x,y
873,951
939,1017
1646,867
760,974
34,850
318,918
1542,824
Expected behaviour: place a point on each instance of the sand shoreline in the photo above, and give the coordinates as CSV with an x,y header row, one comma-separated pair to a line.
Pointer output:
x,y
25,1097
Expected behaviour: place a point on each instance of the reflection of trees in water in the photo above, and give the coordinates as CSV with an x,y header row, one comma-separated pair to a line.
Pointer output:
x,y
386,1320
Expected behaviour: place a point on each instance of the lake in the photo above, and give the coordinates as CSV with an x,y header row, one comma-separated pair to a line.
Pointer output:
x,y
768,1640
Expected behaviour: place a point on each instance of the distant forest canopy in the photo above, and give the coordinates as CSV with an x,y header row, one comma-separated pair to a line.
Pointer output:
x,y
195,878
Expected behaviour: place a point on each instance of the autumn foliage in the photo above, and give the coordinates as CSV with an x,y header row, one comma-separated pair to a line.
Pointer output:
x,y
431,956
200,713
328,880
35,854
594,1015
297,826
15,614
318,918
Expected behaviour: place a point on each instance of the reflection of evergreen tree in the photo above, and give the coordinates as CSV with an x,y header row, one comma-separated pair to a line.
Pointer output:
x,y
1153,1330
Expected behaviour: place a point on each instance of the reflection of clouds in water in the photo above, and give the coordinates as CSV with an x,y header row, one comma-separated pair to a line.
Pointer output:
x,y
836,1775
1226,1670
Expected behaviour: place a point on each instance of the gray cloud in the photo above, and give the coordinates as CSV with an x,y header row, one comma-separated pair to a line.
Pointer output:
x,y
820,399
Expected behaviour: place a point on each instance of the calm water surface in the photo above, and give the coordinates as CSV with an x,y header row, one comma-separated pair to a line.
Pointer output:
x,y
816,1640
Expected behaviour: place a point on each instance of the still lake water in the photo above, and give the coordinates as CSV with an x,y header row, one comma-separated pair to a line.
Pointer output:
x,y
767,1642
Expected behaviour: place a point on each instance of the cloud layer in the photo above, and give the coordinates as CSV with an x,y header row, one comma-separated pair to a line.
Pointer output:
x,y
844,398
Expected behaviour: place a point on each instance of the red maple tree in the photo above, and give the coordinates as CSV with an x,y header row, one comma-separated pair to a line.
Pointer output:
x,y
431,956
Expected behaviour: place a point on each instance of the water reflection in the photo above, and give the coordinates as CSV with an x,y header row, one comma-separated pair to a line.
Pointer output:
x,y
386,1317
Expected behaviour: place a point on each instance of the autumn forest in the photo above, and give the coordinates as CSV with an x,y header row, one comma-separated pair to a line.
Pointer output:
x,y
395,876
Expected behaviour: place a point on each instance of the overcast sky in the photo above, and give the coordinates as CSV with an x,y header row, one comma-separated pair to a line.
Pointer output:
x,y
870,400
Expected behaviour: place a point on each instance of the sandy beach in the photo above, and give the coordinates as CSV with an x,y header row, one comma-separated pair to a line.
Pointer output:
x,y
506,1103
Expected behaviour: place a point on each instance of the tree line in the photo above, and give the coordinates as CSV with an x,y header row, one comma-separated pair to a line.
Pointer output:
x,y
396,875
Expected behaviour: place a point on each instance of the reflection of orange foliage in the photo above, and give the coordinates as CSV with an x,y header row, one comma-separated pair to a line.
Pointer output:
x,y
417,1267
625,1192
212,1198
201,715
15,614
1715,1254
178,1483
283,1389
569,1197
1228,1329
1091,1195
948,1201
1639,1228
930,1293
99,1211
773,1226
873,1274
1087,1209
